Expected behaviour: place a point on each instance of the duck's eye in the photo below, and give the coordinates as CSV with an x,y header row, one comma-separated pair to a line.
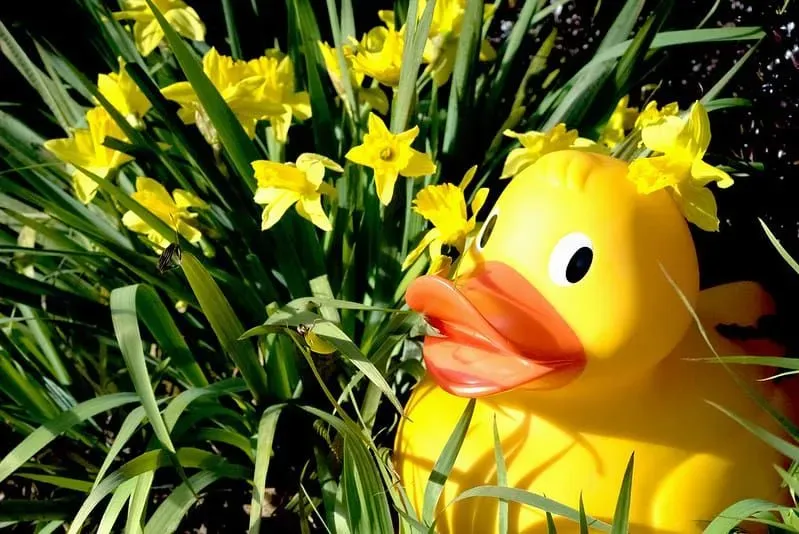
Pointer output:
x,y
571,259
486,230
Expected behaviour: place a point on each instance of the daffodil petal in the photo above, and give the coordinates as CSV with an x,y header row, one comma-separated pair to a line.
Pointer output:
x,y
186,199
700,129
66,150
384,184
518,160
375,97
134,223
479,200
305,159
377,126
152,187
467,178
662,137
361,155
148,35
420,164
705,173
413,255
189,232
311,209
277,208
487,52
85,187
187,23
300,105
180,92
697,204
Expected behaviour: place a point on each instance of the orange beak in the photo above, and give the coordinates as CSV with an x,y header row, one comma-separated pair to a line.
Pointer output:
x,y
497,332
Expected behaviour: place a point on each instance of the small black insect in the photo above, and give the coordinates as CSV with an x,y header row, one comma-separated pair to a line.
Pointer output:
x,y
170,258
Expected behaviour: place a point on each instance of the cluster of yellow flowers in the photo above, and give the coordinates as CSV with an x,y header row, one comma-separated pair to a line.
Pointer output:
x,y
379,52
85,148
259,89
264,89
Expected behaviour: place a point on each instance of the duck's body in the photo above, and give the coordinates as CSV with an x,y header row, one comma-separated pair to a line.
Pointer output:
x,y
568,319
691,460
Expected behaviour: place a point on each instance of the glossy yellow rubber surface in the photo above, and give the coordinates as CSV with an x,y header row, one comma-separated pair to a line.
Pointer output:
x,y
636,394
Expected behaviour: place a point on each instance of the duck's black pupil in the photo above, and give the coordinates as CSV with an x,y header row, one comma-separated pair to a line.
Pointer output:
x,y
487,230
579,264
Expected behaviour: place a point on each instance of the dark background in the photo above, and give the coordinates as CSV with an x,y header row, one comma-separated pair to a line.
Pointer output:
x,y
766,132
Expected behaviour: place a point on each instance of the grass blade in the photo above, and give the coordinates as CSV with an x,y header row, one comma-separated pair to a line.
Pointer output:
x,y
336,337
230,25
115,506
126,327
263,454
126,431
530,499
727,520
167,517
445,462
502,479
777,245
226,325
415,37
583,518
621,516
788,449
46,433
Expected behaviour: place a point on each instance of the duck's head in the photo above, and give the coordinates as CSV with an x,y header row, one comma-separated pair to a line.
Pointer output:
x,y
564,286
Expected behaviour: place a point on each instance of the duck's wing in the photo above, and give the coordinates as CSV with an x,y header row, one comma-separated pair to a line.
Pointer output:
x,y
736,309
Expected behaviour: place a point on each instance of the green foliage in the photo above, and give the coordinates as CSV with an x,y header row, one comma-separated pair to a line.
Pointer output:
x,y
231,380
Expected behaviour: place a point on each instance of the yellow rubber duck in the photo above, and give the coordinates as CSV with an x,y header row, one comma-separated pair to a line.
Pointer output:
x,y
562,323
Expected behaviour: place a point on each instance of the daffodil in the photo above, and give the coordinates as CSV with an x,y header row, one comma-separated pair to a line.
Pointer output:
x,y
123,93
620,122
445,207
390,156
652,115
441,46
85,149
148,34
300,184
536,144
172,210
262,88
379,55
682,144
271,86
371,96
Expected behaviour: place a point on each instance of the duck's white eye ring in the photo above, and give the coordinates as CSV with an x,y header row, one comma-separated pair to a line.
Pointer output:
x,y
571,259
486,230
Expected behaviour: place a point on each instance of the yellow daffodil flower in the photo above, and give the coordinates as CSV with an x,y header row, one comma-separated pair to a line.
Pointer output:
x,y
300,184
379,55
85,149
682,144
652,115
173,210
262,88
445,206
271,86
147,33
536,144
371,96
123,93
620,122
390,156
441,46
